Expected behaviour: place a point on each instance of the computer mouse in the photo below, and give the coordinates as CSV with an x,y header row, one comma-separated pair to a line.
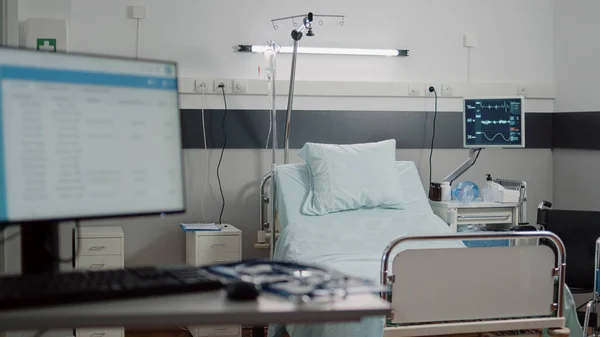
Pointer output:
x,y
242,291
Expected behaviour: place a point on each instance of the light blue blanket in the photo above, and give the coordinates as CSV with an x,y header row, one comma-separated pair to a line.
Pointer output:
x,y
351,242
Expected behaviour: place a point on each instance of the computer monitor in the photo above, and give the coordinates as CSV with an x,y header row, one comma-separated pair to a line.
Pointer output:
x,y
493,122
85,137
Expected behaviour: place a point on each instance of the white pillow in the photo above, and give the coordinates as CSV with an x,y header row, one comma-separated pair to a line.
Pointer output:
x,y
348,177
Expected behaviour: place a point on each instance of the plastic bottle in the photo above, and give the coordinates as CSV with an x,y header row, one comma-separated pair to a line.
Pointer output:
x,y
466,191
446,193
488,189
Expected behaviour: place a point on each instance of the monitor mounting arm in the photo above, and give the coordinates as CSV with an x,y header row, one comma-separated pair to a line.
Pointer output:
x,y
464,167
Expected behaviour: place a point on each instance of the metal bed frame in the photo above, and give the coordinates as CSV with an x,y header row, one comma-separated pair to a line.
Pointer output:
x,y
423,319
591,306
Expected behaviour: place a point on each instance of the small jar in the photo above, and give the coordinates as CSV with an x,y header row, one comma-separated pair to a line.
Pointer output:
x,y
446,191
435,192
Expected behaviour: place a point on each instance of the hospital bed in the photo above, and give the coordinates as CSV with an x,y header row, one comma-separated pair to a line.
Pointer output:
x,y
437,289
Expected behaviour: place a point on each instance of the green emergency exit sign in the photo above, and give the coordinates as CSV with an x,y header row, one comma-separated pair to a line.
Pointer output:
x,y
46,45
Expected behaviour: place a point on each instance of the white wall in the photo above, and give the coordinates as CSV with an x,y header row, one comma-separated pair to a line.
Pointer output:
x,y
200,35
576,78
515,44
576,54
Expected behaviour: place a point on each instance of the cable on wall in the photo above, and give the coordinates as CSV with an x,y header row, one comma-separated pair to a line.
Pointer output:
x,y
137,38
207,181
221,156
432,89
468,65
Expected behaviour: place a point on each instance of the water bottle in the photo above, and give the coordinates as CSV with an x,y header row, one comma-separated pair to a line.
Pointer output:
x,y
488,190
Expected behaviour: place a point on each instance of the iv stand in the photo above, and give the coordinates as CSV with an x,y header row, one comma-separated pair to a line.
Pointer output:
x,y
267,232
297,36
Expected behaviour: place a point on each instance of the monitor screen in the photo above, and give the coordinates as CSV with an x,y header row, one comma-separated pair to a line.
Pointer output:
x,y
87,136
493,122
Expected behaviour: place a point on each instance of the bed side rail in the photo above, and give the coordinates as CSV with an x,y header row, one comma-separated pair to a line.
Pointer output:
x,y
450,284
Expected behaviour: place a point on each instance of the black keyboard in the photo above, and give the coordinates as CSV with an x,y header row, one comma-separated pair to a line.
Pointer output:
x,y
83,286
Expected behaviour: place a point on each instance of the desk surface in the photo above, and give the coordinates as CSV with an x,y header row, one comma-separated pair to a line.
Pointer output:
x,y
191,309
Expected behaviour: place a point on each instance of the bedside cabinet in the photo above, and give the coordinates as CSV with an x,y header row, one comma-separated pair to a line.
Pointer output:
x,y
489,215
100,248
205,248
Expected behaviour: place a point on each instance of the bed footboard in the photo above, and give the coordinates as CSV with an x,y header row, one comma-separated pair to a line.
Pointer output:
x,y
442,291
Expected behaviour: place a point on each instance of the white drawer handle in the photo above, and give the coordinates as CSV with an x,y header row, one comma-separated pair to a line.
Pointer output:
x,y
218,245
219,329
98,334
96,266
96,248
219,261
499,217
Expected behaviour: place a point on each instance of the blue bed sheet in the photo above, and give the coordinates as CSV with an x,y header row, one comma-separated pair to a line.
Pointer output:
x,y
351,242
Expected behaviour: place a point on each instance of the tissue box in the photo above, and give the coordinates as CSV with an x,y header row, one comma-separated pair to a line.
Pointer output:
x,y
506,196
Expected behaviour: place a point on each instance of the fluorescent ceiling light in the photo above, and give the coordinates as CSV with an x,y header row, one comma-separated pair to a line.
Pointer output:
x,y
327,51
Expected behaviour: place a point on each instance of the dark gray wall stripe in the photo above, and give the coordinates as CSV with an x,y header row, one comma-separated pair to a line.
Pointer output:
x,y
576,130
247,129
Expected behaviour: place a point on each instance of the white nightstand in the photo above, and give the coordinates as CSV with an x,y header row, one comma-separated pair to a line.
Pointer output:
x,y
206,248
456,214
100,248
495,216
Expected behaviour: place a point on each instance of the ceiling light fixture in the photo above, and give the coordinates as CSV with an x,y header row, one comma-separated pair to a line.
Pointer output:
x,y
326,51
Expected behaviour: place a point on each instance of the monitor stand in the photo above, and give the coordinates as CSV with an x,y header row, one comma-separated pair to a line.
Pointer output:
x,y
39,247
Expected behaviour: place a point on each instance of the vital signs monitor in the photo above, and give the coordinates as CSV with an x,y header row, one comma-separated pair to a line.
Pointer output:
x,y
86,136
493,122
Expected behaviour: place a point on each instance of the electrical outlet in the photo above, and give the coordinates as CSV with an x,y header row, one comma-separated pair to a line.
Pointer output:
x,y
414,90
218,82
447,90
239,86
428,93
522,90
137,12
200,86
470,40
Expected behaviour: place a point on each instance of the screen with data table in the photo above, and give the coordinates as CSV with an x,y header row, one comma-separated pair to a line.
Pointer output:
x,y
87,136
494,122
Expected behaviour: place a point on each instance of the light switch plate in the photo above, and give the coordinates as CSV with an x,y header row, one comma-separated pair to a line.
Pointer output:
x,y
447,90
239,86
415,89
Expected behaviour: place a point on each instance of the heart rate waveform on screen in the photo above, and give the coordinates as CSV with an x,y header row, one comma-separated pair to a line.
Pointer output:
x,y
493,122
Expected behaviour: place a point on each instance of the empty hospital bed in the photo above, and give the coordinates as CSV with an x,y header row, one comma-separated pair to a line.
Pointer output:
x,y
354,242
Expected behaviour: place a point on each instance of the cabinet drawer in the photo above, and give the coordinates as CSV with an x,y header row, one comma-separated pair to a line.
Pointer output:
x,y
99,262
220,243
225,330
209,258
101,332
100,246
482,216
